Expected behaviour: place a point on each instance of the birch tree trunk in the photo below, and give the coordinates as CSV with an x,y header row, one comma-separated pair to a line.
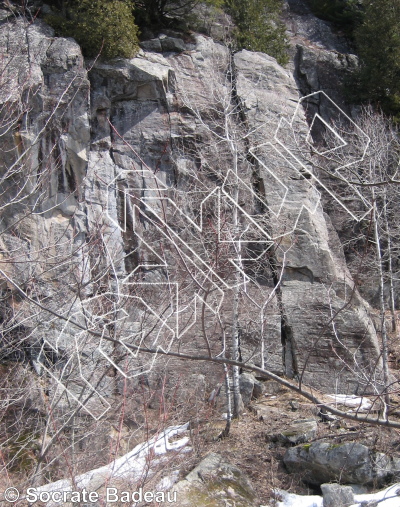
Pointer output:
x,y
382,308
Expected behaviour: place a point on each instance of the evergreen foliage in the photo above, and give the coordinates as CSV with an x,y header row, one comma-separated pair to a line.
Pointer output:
x,y
109,25
346,14
378,44
105,27
259,27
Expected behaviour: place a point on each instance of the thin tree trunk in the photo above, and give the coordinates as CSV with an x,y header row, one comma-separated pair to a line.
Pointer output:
x,y
390,265
235,351
227,428
235,310
382,311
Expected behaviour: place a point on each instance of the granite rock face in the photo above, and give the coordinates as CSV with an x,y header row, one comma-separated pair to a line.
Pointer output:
x,y
322,60
303,26
102,156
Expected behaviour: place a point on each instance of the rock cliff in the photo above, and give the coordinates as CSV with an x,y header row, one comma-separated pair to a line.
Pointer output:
x,y
166,206
122,180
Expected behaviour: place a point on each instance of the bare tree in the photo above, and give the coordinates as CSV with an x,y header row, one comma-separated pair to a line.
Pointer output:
x,y
373,174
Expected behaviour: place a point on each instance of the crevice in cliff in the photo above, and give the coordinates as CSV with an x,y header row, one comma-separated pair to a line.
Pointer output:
x,y
129,238
299,76
242,121
125,219
311,106
289,356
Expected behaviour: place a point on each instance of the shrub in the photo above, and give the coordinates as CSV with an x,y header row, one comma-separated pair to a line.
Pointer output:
x,y
259,27
378,45
100,26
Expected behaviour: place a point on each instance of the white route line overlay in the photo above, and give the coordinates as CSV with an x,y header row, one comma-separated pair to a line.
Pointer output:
x,y
153,202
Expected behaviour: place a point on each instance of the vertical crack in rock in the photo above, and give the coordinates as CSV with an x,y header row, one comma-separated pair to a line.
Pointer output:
x,y
289,356
231,75
289,353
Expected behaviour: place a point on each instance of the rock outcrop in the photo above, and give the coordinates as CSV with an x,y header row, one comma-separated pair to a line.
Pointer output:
x,y
250,388
216,482
322,60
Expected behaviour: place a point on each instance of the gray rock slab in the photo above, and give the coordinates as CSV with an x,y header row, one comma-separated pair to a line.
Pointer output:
x,y
335,495
300,431
250,388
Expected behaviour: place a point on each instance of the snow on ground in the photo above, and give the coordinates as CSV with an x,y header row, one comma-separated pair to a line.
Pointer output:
x,y
167,482
292,500
389,497
350,400
130,466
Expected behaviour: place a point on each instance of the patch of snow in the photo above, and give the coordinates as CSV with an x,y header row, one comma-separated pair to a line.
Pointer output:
x,y
167,482
389,497
351,400
292,500
130,466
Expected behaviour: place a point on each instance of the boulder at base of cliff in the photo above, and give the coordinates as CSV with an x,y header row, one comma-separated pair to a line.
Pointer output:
x,y
250,388
216,483
349,463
